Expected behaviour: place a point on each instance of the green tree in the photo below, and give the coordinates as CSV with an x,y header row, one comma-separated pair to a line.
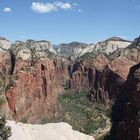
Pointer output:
x,y
5,131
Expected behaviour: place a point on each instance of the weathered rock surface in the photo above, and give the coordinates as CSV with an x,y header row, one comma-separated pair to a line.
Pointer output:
x,y
32,50
52,131
126,110
110,45
33,94
102,82
5,65
74,49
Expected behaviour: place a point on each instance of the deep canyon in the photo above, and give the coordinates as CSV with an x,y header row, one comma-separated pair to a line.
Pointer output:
x,y
35,76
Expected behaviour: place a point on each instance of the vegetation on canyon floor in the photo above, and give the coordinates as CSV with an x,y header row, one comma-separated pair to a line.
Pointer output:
x,y
78,111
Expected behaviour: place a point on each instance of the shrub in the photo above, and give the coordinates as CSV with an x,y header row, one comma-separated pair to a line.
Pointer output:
x,y
1,101
5,131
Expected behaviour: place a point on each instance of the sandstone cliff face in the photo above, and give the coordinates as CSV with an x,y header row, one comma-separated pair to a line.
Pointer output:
x,y
131,52
5,64
126,110
33,95
74,49
102,82
110,45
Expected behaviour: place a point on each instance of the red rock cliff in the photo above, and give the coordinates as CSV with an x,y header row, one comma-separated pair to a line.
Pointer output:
x,y
33,95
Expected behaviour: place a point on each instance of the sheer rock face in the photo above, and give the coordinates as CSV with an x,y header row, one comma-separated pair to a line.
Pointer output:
x,y
5,64
118,65
33,95
126,110
101,81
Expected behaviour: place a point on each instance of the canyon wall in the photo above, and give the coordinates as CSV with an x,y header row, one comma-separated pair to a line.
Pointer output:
x,y
34,91
126,110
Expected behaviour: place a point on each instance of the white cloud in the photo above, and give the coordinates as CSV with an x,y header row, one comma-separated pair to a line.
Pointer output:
x,y
61,5
50,7
7,9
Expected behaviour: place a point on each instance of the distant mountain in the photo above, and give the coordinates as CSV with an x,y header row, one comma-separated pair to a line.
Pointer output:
x,y
110,45
25,50
132,51
4,43
74,49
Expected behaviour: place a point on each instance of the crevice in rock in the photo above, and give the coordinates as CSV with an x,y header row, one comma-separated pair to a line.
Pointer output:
x,y
13,61
44,84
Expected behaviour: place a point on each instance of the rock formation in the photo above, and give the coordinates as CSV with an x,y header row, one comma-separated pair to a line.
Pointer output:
x,y
103,84
110,45
52,131
33,94
126,110
74,50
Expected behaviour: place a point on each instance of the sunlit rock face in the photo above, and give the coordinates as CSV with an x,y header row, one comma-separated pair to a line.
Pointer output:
x,y
33,95
32,49
52,131
112,44
74,49
4,44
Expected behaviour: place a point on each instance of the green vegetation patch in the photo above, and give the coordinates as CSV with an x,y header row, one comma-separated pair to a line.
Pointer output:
x,y
79,112
5,131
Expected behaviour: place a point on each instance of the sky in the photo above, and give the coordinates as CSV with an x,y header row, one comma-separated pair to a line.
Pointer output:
x,y
63,21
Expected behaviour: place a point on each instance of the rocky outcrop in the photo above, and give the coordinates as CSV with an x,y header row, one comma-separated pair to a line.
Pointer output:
x,y
126,110
51,131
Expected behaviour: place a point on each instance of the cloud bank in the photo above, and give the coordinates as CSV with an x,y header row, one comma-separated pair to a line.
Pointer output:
x,y
50,7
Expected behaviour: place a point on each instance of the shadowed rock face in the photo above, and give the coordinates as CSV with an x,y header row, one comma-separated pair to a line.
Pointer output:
x,y
106,85
126,110
103,84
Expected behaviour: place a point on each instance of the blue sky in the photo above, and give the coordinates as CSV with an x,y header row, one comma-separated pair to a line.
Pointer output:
x,y
69,20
